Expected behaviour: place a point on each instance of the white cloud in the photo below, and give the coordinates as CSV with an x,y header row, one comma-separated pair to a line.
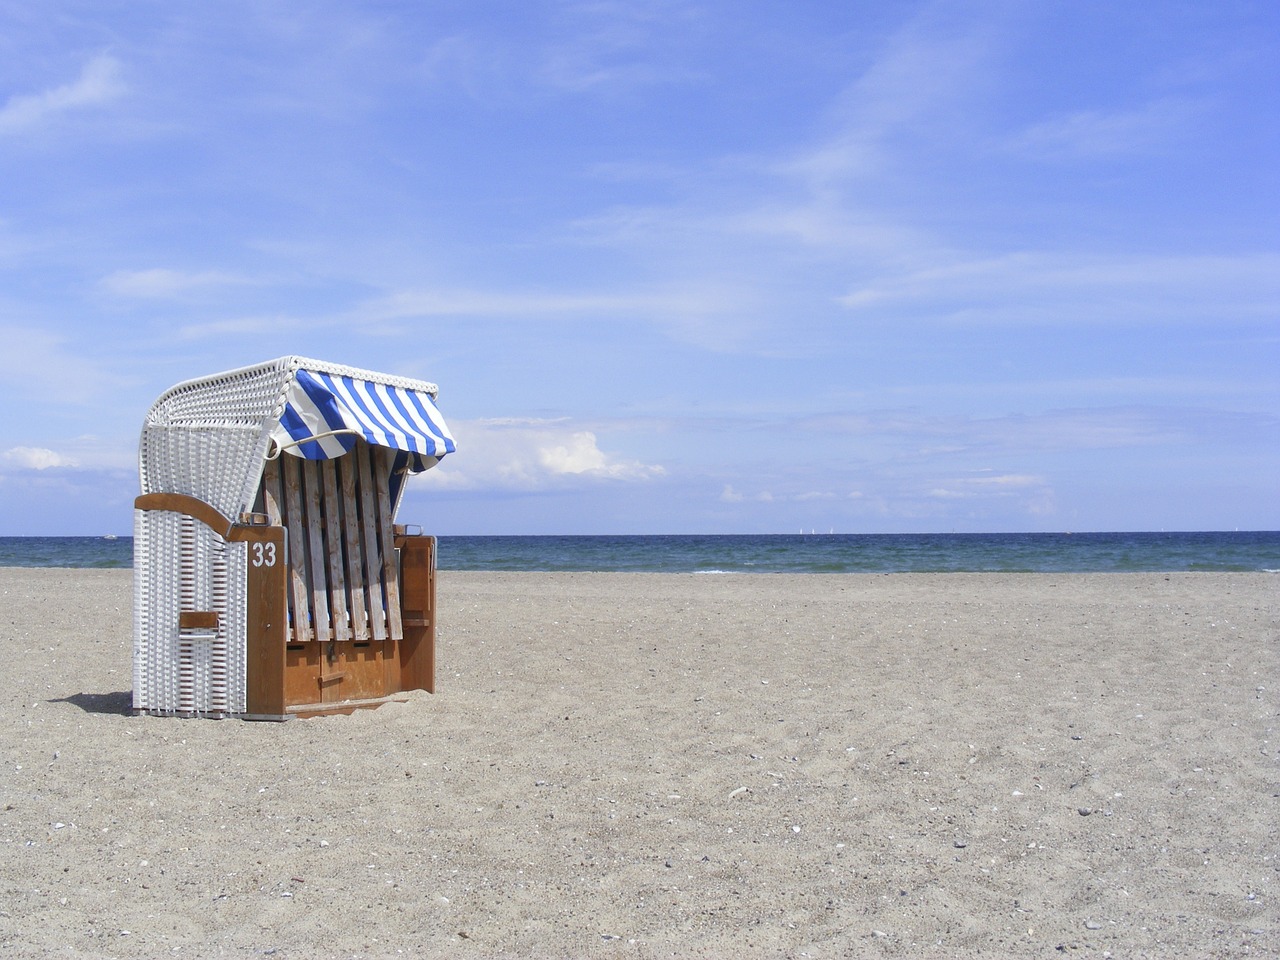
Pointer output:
x,y
45,367
1051,287
732,495
249,328
826,225
1091,133
813,495
430,303
1007,480
620,47
704,312
597,49
579,454
914,84
36,458
497,423
161,283
914,434
87,452
524,454
476,67
1030,493
99,82
501,304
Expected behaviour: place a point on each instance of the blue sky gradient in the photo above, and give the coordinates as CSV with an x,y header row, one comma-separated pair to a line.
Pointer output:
x,y
723,266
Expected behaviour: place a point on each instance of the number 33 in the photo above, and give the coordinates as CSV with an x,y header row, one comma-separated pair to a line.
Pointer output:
x,y
264,554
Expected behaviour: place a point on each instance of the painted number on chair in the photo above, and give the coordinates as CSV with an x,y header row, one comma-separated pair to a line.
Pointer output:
x,y
264,554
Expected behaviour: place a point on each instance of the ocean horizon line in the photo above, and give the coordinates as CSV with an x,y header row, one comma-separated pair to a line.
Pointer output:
x,y
829,552
1189,531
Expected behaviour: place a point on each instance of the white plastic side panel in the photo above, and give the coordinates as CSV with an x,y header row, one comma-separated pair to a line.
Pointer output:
x,y
180,565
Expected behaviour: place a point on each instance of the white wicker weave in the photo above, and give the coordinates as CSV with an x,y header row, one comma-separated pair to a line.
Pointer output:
x,y
206,438
180,565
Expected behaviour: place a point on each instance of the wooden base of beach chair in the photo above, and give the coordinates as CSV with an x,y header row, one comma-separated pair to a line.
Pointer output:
x,y
338,676
285,677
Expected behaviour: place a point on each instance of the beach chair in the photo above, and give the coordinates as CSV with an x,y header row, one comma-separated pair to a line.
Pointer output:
x,y
270,577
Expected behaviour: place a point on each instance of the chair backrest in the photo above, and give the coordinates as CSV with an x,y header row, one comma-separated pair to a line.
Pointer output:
x,y
343,580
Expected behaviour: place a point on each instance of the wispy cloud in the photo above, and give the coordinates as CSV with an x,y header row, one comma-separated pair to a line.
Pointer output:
x,y
158,283
921,73
610,46
789,218
478,68
99,82
1081,289
249,327
1097,133
890,493
1007,481
521,304
598,50
473,303
51,369
1033,494
706,312
896,433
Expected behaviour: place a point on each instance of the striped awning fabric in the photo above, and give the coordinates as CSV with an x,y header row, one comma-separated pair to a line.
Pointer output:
x,y
324,413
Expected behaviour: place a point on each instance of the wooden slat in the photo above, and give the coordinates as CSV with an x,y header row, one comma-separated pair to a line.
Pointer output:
x,y
198,620
312,489
267,634
386,542
274,505
356,589
299,593
332,526
368,501
271,493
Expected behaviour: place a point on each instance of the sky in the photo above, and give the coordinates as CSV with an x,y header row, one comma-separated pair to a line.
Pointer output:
x,y
728,266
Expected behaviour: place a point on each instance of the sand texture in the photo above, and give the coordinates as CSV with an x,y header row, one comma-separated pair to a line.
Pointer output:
x,y
674,766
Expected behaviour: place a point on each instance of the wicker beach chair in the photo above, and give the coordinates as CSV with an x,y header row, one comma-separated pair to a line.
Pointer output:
x,y
270,578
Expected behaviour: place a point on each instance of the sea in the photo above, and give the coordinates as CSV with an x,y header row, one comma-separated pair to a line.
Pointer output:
x,y
781,553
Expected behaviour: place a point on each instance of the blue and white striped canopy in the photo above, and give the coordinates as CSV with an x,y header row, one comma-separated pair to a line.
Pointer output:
x,y
324,414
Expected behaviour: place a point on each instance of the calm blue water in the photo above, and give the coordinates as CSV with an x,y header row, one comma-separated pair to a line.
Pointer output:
x,y
66,552
782,553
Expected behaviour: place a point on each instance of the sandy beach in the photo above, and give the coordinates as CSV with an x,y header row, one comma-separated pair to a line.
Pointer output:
x,y
640,765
